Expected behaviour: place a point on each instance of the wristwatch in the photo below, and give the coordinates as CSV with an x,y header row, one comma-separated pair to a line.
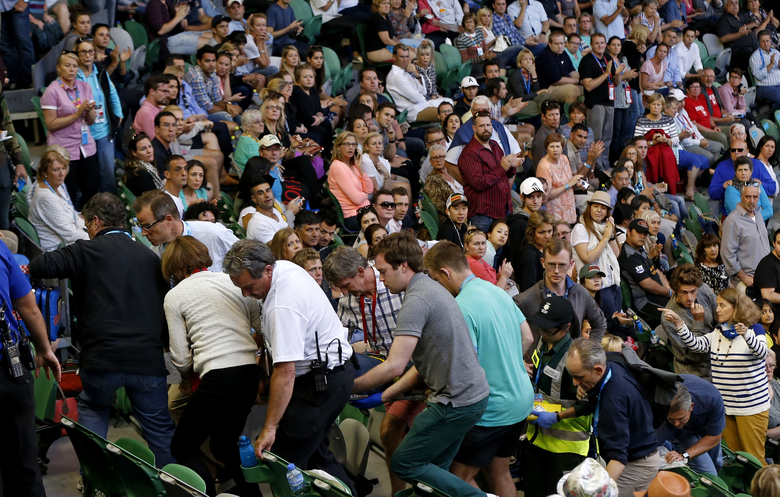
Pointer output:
x,y
686,456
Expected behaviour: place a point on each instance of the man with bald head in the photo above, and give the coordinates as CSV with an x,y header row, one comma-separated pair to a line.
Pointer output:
x,y
745,241
724,174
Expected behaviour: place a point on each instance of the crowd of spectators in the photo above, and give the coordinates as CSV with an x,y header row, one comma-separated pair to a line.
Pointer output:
x,y
550,203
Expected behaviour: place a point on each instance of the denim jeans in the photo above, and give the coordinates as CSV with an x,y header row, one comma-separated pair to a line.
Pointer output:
x,y
16,46
708,462
635,111
185,43
149,398
771,93
537,49
105,156
481,221
508,58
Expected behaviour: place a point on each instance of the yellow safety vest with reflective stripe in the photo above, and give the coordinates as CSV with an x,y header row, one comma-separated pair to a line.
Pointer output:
x,y
567,435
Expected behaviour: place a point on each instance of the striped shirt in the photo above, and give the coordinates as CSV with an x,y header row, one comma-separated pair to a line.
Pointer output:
x,y
738,369
758,62
380,322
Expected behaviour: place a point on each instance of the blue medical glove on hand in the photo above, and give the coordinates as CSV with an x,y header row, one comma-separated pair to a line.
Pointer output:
x,y
545,419
369,402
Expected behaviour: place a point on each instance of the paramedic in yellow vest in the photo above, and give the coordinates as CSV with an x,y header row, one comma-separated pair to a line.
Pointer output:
x,y
556,446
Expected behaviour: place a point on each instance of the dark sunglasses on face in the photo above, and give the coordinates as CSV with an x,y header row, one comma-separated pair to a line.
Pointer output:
x,y
740,150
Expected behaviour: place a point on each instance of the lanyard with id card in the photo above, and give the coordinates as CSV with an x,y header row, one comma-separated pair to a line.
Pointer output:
x,y
100,115
611,87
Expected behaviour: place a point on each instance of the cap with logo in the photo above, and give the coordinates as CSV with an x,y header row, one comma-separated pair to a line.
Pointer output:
x,y
456,198
269,141
677,94
531,185
468,82
639,225
590,271
554,312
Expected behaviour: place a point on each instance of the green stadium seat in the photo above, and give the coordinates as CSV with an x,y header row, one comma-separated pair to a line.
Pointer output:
x,y
137,33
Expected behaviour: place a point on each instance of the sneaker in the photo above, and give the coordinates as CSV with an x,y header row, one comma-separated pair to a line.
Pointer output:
x,y
80,485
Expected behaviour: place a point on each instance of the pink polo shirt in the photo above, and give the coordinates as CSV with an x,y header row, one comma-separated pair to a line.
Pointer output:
x,y
144,119
56,98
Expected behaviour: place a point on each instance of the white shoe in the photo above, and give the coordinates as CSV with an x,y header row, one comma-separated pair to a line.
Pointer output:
x,y
80,485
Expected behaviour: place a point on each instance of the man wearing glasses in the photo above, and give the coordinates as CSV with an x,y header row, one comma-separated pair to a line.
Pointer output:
x,y
160,223
725,172
384,203
433,136
157,95
557,263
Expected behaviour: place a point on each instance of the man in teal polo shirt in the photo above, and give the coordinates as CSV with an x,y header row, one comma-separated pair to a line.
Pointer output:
x,y
501,336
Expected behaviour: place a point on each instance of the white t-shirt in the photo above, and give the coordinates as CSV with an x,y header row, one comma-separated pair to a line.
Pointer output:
x,y
178,202
371,170
263,228
294,309
216,237
535,15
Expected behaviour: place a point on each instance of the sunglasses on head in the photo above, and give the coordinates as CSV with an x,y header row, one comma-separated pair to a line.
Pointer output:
x,y
482,113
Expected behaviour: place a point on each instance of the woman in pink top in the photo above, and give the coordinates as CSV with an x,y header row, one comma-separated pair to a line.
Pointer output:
x,y
347,181
69,111
554,167
475,243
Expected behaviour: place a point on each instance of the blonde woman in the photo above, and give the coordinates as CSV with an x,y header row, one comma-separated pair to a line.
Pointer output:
x,y
257,49
290,60
485,24
376,166
523,83
348,182
423,66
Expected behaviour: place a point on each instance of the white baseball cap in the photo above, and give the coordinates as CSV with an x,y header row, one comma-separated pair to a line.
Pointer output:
x,y
468,82
531,185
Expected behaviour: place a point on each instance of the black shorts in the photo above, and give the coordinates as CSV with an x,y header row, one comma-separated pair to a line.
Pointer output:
x,y
197,142
483,443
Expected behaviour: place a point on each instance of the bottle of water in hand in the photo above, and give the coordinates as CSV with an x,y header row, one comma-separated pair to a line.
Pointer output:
x,y
295,479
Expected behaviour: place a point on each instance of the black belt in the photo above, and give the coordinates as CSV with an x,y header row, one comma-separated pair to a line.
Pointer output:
x,y
337,369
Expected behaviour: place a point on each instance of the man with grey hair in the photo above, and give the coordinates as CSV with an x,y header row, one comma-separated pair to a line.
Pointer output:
x,y
745,240
622,420
369,309
119,291
694,425
312,376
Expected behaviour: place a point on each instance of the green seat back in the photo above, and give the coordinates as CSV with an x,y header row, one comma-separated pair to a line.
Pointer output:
x,y
272,470
302,11
19,203
361,34
625,290
427,206
123,402
420,489
337,241
186,475
431,224
693,226
339,212
139,478
45,397
332,63
137,448
340,81
152,53
98,471
451,55
137,33
36,101
28,230
701,202
440,64
770,129
311,27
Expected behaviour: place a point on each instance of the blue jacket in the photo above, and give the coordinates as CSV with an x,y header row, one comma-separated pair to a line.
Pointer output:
x,y
625,419
725,172
734,196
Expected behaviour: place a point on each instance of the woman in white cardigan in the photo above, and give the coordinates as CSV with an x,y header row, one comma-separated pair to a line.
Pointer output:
x,y
209,323
51,209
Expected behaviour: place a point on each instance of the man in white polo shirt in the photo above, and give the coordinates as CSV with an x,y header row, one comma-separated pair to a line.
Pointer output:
x,y
160,223
268,219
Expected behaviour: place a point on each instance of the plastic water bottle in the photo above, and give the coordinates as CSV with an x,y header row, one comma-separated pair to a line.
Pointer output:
x,y
654,339
247,453
295,479
675,246
256,98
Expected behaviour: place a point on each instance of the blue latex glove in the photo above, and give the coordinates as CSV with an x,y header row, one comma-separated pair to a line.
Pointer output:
x,y
545,419
369,402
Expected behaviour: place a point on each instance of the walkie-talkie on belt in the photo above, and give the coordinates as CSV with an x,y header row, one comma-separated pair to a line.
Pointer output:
x,y
319,368
11,354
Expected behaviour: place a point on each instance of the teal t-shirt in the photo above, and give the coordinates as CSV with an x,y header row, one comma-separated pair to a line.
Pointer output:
x,y
494,325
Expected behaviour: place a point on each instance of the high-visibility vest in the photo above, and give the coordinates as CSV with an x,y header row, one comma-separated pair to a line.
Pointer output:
x,y
567,435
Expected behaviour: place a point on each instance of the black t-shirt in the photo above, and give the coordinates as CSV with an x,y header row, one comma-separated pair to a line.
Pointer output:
x,y
767,273
551,67
635,268
160,153
376,24
591,67
635,60
448,231
461,107
728,24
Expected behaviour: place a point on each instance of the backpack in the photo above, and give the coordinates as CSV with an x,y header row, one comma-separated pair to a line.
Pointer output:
x,y
49,300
